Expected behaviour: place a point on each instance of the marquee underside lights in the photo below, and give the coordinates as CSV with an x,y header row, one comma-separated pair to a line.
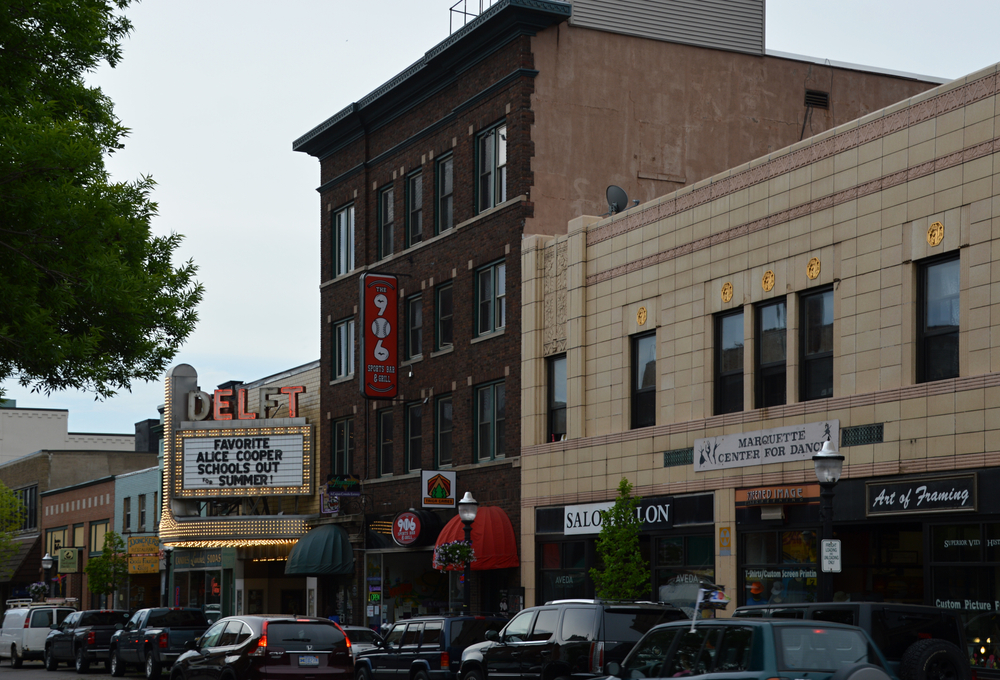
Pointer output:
x,y
229,544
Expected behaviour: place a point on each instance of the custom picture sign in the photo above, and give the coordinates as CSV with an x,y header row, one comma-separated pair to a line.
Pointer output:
x,y
379,335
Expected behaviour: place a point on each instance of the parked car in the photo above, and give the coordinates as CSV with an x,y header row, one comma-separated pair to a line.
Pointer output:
x,y
754,649
153,639
83,638
362,639
25,627
261,647
919,642
563,639
425,648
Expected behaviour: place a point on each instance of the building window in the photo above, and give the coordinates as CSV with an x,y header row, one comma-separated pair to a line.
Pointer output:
x,y
557,398
445,194
492,168
443,313
97,532
343,241
414,327
489,435
414,208
343,348
937,339
414,423
79,536
729,363
772,337
127,515
644,380
28,497
491,300
142,512
343,446
817,345
384,419
385,218
442,430
55,539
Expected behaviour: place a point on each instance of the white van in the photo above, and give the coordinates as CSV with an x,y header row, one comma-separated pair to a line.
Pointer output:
x,y
25,627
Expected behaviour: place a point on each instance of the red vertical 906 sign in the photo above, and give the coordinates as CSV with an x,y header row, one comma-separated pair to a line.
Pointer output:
x,y
379,333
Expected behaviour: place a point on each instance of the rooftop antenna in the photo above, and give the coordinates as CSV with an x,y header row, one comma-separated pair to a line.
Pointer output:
x,y
617,199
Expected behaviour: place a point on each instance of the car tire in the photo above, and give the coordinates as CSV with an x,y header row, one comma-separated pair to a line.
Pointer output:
x,y
15,659
117,667
472,675
861,671
420,675
363,673
82,663
934,660
152,667
51,663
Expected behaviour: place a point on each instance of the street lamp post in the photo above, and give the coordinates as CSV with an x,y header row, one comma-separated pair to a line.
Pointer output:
x,y
467,509
47,562
828,464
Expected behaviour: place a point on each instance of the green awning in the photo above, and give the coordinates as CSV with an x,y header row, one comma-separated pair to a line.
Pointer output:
x,y
324,551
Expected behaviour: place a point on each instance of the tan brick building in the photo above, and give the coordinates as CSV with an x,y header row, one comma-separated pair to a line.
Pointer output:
x,y
703,345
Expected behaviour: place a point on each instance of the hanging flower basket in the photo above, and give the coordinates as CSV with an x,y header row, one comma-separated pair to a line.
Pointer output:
x,y
38,590
453,556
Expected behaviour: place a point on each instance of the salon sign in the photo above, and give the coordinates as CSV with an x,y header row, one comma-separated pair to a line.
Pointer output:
x,y
763,447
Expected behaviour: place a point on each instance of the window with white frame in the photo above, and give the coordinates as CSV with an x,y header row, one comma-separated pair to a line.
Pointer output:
x,y
343,446
414,439
386,213
343,348
489,409
491,164
343,241
445,217
414,326
491,300
414,208
443,426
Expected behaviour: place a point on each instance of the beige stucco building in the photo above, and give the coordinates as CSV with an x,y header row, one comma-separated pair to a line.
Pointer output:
x,y
846,287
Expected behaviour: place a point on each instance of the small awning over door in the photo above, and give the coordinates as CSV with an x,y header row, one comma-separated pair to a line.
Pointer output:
x,y
324,551
493,538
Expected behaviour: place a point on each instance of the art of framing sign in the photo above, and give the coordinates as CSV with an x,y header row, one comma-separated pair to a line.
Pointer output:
x,y
438,489
780,445
379,335
270,461
928,494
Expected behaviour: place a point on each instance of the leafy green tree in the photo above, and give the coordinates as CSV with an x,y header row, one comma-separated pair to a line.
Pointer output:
x,y
11,520
91,300
624,575
108,571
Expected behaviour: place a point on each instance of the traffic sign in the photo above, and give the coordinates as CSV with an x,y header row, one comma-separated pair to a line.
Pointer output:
x,y
830,555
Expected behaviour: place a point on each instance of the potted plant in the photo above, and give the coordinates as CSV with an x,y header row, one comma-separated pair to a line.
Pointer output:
x,y
453,556
38,590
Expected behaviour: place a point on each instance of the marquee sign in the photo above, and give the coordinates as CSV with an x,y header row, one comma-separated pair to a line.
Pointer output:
x,y
379,335
779,445
269,461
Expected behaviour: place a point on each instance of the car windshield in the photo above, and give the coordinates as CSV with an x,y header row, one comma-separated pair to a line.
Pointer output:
x,y
103,618
320,635
176,618
821,649
646,660
361,635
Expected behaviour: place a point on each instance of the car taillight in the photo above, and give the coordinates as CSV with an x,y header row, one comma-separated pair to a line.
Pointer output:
x,y
445,661
346,638
596,657
164,641
91,638
261,643
27,620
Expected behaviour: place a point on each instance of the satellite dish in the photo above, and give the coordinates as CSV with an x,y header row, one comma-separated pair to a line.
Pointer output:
x,y
617,199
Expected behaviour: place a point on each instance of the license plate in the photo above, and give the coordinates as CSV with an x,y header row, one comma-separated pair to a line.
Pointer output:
x,y
308,660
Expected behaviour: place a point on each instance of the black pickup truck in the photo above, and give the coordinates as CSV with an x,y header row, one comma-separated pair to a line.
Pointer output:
x,y
154,638
83,637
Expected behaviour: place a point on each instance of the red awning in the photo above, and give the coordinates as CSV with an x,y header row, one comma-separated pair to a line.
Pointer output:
x,y
493,538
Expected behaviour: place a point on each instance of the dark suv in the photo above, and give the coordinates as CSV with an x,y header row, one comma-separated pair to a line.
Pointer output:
x,y
424,648
564,639
919,642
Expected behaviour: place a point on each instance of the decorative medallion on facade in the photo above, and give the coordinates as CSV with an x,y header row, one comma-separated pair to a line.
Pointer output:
x,y
767,283
640,316
727,291
935,234
812,269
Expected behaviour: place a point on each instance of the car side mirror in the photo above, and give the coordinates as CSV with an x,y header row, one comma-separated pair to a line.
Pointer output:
x,y
492,636
612,668
191,644
54,626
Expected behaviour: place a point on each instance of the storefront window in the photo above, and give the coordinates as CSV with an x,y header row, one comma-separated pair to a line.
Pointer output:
x,y
562,571
770,578
957,543
682,565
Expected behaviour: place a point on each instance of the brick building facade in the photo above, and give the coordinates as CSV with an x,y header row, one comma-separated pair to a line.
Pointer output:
x,y
513,125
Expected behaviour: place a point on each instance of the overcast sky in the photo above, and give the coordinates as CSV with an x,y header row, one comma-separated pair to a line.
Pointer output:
x,y
215,93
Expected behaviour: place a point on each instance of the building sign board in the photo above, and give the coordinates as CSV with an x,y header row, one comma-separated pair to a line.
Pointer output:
x,y
438,488
778,445
655,513
406,528
928,494
69,560
379,335
784,494
143,564
143,545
